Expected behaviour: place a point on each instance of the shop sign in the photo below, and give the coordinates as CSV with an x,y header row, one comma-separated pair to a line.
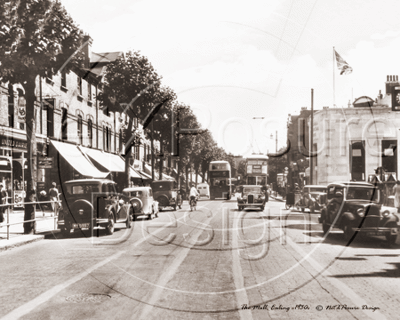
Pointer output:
x,y
45,162
12,142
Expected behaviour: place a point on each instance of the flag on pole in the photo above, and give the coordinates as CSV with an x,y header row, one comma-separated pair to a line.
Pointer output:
x,y
342,65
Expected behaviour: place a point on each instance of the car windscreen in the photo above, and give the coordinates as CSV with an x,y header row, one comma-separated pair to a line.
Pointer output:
x,y
82,189
357,193
252,190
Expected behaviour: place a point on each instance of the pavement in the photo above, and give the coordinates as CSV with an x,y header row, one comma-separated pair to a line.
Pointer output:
x,y
45,224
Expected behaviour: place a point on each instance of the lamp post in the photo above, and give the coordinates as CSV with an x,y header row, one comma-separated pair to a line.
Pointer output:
x,y
276,140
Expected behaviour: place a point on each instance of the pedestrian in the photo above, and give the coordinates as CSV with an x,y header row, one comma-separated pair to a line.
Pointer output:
x,y
3,200
54,198
396,191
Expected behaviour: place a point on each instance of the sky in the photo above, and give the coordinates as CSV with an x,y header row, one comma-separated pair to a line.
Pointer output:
x,y
233,61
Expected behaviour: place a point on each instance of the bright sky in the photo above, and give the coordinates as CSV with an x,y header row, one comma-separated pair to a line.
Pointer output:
x,y
232,60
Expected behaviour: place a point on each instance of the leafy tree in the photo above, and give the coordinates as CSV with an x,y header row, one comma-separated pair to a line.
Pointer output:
x,y
132,85
37,38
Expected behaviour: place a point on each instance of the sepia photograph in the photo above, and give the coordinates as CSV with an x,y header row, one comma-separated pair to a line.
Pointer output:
x,y
189,159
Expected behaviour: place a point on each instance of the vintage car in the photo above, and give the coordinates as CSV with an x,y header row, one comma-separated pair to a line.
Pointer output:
x,y
251,197
90,204
354,207
313,197
141,202
165,192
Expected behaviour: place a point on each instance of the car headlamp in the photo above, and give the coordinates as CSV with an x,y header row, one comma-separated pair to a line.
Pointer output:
x,y
361,212
386,213
80,211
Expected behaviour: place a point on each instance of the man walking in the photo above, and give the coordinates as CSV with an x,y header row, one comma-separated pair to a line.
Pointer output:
x,y
54,198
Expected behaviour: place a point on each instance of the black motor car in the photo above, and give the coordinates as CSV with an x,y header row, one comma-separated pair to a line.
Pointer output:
x,y
355,207
165,192
252,197
90,204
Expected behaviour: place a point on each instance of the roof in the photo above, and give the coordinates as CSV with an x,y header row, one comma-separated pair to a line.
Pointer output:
x,y
219,161
352,183
90,180
135,189
252,186
314,186
257,156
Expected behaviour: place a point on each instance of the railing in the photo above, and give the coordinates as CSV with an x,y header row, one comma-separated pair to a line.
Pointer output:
x,y
8,224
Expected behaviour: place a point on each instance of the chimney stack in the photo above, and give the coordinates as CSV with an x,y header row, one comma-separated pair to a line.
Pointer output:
x,y
87,50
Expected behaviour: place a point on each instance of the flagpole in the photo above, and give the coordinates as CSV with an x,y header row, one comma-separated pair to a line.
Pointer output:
x,y
333,70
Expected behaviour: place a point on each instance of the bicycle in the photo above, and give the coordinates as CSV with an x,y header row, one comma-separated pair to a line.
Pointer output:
x,y
192,203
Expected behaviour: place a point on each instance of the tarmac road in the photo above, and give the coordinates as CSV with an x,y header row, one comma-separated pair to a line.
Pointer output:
x,y
213,263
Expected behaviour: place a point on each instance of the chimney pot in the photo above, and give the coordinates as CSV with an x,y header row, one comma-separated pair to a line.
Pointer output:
x,y
390,78
387,78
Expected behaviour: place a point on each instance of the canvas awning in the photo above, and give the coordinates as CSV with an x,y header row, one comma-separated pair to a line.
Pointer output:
x,y
77,160
110,162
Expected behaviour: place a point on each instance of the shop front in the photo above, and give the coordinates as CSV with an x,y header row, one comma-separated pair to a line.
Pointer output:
x,y
14,165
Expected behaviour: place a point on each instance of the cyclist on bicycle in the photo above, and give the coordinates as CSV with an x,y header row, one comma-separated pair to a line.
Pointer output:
x,y
193,194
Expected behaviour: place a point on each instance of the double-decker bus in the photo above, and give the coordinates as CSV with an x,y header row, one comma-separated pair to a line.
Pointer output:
x,y
220,180
256,169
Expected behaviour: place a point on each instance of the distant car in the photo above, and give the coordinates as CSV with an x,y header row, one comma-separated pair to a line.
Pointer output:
x,y
90,204
313,198
165,192
354,207
141,202
251,197
204,190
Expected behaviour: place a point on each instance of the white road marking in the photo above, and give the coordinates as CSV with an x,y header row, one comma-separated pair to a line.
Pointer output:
x,y
169,274
45,296
240,292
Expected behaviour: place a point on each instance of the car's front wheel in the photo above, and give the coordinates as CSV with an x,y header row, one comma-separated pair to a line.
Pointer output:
x,y
325,228
110,225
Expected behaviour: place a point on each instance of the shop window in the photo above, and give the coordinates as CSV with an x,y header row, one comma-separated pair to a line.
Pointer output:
x,y
64,124
80,133
90,133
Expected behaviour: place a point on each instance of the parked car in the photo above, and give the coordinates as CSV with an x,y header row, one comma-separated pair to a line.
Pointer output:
x,y
165,192
141,202
90,204
354,207
313,197
251,197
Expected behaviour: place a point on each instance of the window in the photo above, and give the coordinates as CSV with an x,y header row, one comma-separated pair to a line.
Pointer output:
x,y
89,87
64,124
80,85
106,139
63,79
11,107
90,133
49,107
120,140
80,133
